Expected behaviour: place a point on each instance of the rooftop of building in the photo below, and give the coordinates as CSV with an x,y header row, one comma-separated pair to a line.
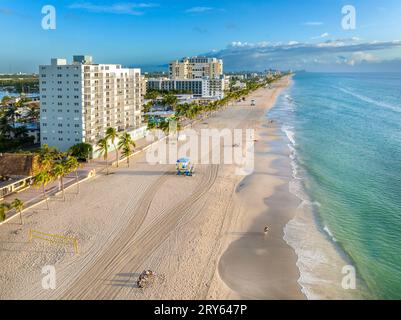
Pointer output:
x,y
206,59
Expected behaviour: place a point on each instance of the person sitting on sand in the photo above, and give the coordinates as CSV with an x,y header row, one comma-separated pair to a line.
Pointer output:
x,y
266,229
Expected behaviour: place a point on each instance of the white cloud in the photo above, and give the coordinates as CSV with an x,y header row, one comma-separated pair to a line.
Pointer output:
x,y
313,23
344,53
359,57
322,36
263,44
199,9
239,44
116,8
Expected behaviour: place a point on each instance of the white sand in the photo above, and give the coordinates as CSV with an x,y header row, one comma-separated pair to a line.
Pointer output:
x,y
185,229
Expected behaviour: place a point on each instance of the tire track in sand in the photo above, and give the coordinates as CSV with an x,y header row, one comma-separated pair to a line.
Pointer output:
x,y
130,250
139,214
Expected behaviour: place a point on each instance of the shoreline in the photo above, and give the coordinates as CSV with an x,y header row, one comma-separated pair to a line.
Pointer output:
x,y
320,259
255,265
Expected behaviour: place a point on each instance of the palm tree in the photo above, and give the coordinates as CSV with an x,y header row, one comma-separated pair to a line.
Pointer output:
x,y
72,166
126,143
60,169
111,133
47,155
11,114
41,180
32,114
103,149
18,205
5,128
4,207
170,100
147,107
191,112
151,126
165,126
152,95
5,100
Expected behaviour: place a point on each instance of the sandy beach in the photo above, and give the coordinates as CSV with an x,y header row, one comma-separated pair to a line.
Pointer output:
x,y
202,235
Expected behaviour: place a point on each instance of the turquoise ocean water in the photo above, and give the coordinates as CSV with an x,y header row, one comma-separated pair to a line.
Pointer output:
x,y
345,133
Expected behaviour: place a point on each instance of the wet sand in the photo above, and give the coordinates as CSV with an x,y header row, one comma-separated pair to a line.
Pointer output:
x,y
259,265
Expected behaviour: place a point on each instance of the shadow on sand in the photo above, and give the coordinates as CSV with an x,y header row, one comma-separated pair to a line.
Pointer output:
x,y
127,280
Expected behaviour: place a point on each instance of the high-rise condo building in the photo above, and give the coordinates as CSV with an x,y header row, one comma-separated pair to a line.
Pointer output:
x,y
79,101
196,68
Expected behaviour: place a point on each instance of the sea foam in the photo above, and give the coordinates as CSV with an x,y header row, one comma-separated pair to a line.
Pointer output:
x,y
301,233
288,130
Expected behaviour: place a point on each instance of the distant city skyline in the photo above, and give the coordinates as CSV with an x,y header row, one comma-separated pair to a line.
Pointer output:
x,y
255,35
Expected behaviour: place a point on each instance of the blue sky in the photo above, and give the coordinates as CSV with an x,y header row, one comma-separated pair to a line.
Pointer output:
x,y
252,34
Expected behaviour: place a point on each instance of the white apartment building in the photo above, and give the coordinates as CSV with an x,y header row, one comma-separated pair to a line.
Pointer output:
x,y
196,68
200,88
79,101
